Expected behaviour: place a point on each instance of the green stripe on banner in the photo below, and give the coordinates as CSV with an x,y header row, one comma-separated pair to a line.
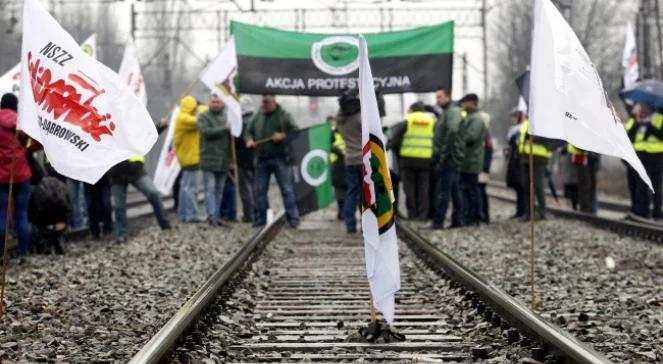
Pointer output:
x,y
320,139
255,41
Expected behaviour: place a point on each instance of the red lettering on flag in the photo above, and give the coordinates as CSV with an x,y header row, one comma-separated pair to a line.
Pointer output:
x,y
64,100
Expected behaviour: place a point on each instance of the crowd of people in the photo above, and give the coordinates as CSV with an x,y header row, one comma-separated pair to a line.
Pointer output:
x,y
442,155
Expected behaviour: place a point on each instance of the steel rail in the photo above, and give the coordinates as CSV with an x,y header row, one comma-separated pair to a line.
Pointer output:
x,y
165,340
630,227
507,307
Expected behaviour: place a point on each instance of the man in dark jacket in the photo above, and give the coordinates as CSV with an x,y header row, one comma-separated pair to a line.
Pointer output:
x,y
414,141
214,156
448,153
132,171
246,164
267,133
473,130
348,123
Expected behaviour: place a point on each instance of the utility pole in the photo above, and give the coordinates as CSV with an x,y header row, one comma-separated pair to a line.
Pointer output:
x,y
484,35
465,86
646,38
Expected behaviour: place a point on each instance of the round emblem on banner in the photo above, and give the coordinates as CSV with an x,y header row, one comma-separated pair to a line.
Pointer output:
x,y
87,49
337,55
314,167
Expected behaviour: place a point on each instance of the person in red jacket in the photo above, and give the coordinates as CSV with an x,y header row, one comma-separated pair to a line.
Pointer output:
x,y
12,152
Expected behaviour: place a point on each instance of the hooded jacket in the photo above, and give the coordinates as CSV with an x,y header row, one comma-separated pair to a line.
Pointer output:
x,y
10,146
186,136
473,134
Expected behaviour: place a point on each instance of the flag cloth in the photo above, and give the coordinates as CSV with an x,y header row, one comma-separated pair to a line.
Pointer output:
x,y
221,78
168,167
567,100
130,71
86,118
274,61
630,58
377,217
309,150
11,81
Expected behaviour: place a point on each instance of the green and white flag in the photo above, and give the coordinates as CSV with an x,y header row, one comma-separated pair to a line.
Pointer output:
x,y
284,62
309,152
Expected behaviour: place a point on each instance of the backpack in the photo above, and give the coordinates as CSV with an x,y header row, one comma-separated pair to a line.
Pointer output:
x,y
49,203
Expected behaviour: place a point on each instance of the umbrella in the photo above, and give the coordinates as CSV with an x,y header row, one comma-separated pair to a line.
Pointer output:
x,y
647,91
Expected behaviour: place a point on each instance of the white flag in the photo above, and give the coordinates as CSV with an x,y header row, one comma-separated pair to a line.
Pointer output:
x,y
11,81
86,118
630,58
567,100
168,167
130,71
378,216
221,77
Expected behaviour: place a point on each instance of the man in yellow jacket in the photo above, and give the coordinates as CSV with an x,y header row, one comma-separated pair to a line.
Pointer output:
x,y
186,138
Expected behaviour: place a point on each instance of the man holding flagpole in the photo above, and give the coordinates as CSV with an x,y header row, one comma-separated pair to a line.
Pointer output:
x,y
378,215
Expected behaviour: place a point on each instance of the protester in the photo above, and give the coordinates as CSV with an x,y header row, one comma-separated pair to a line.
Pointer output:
x,y
77,199
186,138
413,139
511,154
14,168
448,154
484,175
132,171
647,138
267,133
49,212
228,206
246,163
337,159
631,175
586,166
473,130
541,153
214,156
348,123
99,210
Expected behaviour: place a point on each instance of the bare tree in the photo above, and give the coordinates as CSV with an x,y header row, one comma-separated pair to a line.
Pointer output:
x,y
598,24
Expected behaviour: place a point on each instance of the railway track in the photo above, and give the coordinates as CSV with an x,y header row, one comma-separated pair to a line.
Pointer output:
x,y
625,224
304,295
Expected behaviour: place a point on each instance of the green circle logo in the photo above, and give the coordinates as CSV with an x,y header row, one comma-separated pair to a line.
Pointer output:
x,y
314,167
337,55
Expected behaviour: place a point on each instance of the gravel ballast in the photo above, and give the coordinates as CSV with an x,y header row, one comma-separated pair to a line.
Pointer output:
x,y
604,288
102,300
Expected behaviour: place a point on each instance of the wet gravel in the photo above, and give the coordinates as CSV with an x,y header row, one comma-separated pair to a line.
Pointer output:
x,y
604,288
103,300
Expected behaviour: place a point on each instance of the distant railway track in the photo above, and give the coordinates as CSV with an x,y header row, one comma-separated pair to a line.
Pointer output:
x,y
627,225
306,295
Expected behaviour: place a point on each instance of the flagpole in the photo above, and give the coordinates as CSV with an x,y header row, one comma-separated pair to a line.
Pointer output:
x,y
236,168
5,248
531,219
374,315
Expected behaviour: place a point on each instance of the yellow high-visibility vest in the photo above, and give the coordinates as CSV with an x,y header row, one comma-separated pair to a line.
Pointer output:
x,y
538,150
418,138
652,144
339,143
574,151
137,158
